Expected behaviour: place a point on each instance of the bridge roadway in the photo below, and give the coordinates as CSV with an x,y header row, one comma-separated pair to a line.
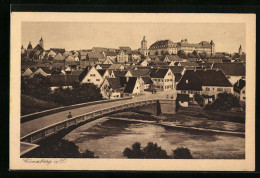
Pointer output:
x,y
36,124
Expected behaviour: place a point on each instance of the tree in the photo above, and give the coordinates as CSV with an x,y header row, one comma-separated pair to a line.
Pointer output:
x,y
195,54
162,52
182,153
190,55
224,102
182,54
203,55
135,152
152,151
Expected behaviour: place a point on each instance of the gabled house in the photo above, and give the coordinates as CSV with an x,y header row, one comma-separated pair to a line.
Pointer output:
x,y
63,81
118,73
110,57
233,71
112,88
132,87
108,61
44,71
163,79
116,67
147,82
170,58
28,72
95,58
91,75
104,73
143,62
240,89
204,82
59,57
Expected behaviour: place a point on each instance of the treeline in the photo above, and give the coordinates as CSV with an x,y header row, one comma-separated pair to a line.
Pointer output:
x,y
61,149
40,87
153,151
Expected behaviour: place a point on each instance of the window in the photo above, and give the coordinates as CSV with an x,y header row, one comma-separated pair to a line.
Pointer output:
x,y
243,92
97,80
244,98
207,89
219,89
88,80
92,75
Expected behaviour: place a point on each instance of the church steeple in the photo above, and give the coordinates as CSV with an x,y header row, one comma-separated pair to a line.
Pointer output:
x,y
29,45
41,42
144,49
240,50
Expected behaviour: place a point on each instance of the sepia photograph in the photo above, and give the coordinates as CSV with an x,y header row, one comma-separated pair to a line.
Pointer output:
x,y
117,91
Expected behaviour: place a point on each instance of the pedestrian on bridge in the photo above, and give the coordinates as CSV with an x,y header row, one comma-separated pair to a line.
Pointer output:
x,y
69,116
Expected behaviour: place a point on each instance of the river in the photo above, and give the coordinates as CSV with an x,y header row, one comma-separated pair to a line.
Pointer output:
x,y
108,139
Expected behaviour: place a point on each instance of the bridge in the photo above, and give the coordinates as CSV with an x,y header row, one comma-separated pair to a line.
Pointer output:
x,y
36,130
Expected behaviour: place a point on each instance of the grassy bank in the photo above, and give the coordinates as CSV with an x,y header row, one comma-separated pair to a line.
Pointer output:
x,y
31,105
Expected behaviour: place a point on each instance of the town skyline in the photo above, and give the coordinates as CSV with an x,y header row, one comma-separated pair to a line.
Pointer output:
x,y
62,34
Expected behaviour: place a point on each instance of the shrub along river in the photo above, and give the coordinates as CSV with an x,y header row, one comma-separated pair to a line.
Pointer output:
x,y
108,138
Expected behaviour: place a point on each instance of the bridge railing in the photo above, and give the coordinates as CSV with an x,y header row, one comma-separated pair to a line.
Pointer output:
x,y
40,134
36,115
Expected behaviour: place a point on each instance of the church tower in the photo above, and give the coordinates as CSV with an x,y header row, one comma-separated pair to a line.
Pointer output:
x,y
22,50
41,42
240,50
144,50
212,47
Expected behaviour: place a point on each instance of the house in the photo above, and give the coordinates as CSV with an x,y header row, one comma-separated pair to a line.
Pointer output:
x,y
103,66
58,50
44,71
95,58
132,87
138,73
163,79
147,82
143,62
69,58
183,100
240,89
135,56
63,81
233,71
170,58
112,88
188,64
118,73
59,57
116,66
51,53
110,57
108,61
204,82
91,75
83,55
28,72
67,53
104,73
122,56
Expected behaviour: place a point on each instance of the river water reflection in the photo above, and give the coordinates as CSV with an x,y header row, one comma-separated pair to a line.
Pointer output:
x,y
108,139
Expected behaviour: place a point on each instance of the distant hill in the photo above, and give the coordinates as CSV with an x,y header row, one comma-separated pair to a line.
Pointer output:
x,y
31,105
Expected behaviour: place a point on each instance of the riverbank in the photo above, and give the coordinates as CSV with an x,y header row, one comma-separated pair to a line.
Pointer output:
x,y
186,122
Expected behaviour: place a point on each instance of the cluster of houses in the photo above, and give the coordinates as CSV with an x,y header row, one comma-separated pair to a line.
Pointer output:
x,y
124,72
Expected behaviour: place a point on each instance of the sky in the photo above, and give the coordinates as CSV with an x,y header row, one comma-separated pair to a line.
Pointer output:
x,y
85,35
